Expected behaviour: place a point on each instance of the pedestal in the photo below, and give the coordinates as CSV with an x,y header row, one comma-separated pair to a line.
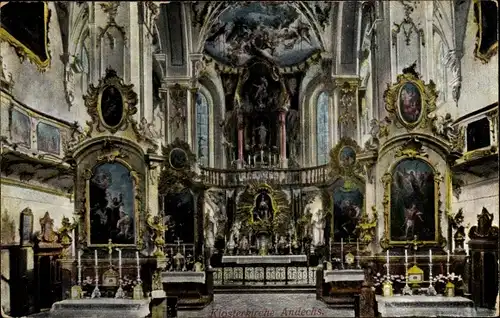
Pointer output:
x,y
189,287
342,285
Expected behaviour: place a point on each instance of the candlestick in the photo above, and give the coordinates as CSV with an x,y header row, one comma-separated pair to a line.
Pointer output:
x,y
138,267
342,252
96,293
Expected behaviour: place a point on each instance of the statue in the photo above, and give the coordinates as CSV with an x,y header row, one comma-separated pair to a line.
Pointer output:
x,y
262,209
244,245
262,131
235,232
261,93
484,227
210,226
373,142
318,224
47,233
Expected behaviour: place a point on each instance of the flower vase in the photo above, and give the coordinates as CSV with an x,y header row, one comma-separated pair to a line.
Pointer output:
x,y
387,290
450,289
138,292
76,292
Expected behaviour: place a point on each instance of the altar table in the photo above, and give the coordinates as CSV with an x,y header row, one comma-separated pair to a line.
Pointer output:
x,y
263,259
425,306
344,275
100,307
183,277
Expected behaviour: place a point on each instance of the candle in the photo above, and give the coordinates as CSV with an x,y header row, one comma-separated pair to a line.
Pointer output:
x,y
184,250
448,256
406,256
262,156
430,256
203,250
342,250
79,267
95,258
137,257
73,244
357,246
387,257
120,262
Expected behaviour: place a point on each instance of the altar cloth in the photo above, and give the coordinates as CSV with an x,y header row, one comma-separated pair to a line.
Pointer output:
x,y
100,307
183,277
344,275
425,306
263,259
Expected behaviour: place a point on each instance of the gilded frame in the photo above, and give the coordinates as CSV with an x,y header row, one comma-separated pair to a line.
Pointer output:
x,y
99,107
428,96
493,49
416,153
93,103
23,51
113,158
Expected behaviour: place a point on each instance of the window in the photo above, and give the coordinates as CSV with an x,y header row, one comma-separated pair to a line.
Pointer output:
x,y
202,131
322,129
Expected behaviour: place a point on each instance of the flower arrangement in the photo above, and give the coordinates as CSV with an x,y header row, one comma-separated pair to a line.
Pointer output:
x,y
128,283
441,280
398,281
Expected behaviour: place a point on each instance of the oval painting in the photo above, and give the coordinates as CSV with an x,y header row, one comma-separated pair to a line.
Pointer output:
x,y
111,106
178,158
347,156
410,103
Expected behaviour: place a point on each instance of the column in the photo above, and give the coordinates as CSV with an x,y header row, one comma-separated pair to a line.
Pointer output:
x,y
282,123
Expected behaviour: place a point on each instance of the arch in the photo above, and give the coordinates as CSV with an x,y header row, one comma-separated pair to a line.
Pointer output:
x,y
322,119
203,111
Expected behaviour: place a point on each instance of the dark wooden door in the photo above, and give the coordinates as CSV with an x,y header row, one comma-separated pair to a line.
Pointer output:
x,y
48,281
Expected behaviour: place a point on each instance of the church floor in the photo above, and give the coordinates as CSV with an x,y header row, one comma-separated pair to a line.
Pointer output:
x,y
266,305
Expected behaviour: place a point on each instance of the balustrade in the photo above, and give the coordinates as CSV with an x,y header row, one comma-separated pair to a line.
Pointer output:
x,y
240,177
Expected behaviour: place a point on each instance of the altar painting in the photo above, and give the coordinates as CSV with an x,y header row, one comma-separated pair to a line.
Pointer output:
x,y
410,103
111,198
412,202
347,210
179,211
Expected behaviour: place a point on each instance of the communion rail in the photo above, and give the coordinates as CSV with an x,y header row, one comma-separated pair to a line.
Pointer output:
x,y
267,275
229,178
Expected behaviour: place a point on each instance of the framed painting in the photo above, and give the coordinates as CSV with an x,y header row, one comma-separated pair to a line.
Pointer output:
x,y
48,138
20,128
410,103
413,189
348,206
26,229
111,107
179,210
111,204
347,156
486,18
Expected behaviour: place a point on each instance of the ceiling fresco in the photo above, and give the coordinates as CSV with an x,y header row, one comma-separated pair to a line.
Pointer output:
x,y
276,31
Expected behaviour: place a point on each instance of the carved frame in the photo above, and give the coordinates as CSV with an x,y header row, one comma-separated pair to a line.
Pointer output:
x,y
411,150
23,52
109,150
93,101
428,96
493,49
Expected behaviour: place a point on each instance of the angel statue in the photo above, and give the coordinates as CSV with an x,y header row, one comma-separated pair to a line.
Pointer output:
x,y
157,225
318,223
373,142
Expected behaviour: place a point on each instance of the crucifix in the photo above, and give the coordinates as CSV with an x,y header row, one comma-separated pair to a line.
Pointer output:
x,y
110,251
178,241
416,244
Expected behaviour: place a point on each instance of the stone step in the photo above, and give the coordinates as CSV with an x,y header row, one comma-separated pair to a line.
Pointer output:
x,y
339,302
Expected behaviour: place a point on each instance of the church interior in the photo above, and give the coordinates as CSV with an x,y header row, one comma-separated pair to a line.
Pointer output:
x,y
249,159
